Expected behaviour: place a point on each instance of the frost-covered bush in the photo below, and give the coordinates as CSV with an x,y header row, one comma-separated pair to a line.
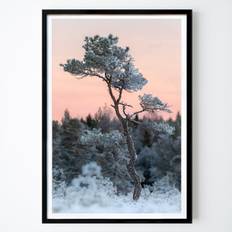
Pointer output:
x,y
169,150
91,169
66,149
95,136
158,148
96,194
111,154
163,127
88,190
158,151
58,182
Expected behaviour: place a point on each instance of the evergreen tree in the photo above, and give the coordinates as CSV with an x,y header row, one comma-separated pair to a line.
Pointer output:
x,y
67,155
114,65
91,122
178,125
103,119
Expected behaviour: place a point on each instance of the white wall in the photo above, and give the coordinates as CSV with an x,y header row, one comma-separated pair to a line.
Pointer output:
x,y
20,118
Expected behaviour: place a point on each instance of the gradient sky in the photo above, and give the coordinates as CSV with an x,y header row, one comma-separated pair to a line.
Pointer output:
x,y
155,45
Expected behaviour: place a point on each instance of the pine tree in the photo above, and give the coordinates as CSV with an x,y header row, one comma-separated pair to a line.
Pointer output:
x,y
114,65
91,122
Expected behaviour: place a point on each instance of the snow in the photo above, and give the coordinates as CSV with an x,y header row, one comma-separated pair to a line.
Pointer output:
x,y
92,169
92,193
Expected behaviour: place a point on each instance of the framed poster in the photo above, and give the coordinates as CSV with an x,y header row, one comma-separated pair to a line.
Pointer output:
x,y
117,116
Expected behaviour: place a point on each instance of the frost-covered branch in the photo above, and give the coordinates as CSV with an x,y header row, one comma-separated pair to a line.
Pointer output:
x,y
109,62
137,112
80,70
152,104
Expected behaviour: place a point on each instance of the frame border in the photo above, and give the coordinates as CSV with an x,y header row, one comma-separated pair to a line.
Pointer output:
x,y
188,13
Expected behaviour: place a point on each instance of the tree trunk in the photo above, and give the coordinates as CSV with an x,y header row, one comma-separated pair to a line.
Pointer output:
x,y
130,146
131,164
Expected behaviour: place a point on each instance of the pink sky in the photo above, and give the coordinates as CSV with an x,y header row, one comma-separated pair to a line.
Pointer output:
x,y
155,45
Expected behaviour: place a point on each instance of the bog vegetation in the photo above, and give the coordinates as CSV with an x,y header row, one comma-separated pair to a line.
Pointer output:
x,y
106,60
127,153
89,164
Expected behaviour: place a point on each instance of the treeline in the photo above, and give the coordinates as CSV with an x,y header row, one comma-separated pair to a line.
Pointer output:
x,y
98,138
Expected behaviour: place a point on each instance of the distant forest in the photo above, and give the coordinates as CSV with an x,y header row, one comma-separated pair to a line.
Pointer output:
x,y
98,138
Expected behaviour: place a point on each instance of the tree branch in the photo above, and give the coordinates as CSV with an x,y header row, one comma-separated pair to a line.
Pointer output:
x,y
91,73
111,94
120,94
134,121
137,112
124,111
124,105
116,104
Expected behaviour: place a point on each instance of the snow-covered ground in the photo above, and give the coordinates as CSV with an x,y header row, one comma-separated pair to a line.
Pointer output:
x,y
95,194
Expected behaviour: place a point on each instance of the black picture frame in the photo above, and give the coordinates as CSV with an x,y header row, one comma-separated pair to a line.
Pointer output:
x,y
45,14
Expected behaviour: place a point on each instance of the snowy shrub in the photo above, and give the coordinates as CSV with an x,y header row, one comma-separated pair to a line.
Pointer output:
x,y
58,182
163,127
95,136
91,169
75,147
92,194
88,190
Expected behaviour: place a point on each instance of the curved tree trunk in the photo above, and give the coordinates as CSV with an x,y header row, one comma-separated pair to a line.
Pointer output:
x,y
130,146
131,164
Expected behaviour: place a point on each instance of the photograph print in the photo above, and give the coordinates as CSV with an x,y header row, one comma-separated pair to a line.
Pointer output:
x,y
116,116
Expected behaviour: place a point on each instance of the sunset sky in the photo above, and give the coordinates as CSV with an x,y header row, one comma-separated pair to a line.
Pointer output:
x,y
155,45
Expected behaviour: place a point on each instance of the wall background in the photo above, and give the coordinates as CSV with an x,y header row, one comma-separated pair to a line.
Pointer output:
x,y
20,117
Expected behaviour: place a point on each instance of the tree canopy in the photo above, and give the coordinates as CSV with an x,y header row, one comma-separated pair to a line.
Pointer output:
x,y
106,60
113,64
